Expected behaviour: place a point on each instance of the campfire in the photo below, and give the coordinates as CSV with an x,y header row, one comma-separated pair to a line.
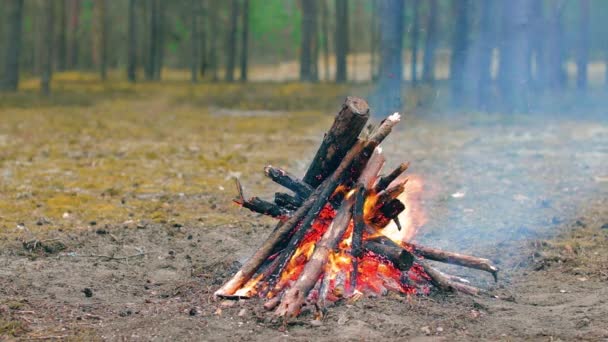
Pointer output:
x,y
345,231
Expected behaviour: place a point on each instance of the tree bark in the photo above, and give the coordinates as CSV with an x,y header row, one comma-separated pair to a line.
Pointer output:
x,y
214,32
74,28
554,68
390,75
430,45
373,74
339,139
204,27
307,48
100,37
194,39
483,93
132,48
244,40
414,37
459,51
152,39
13,46
62,38
47,49
583,46
159,55
514,55
325,42
341,40
231,41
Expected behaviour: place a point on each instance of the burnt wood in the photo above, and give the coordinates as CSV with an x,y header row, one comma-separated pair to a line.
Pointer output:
x,y
444,256
291,182
261,206
385,181
342,135
401,258
287,201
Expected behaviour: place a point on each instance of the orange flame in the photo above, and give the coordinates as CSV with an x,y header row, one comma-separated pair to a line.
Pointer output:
x,y
413,217
375,275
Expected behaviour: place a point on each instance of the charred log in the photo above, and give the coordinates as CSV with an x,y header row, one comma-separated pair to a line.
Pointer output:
x,y
338,140
385,181
289,181
287,201
401,258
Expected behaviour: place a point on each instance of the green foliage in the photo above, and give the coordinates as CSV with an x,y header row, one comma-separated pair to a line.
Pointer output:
x,y
275,21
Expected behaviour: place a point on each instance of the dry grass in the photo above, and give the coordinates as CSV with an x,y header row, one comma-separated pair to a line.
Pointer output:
x,y
114,152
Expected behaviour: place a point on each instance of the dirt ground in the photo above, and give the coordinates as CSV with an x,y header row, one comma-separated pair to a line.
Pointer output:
x,y
116,223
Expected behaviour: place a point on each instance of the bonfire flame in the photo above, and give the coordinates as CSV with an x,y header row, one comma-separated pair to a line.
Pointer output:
x,y
375,274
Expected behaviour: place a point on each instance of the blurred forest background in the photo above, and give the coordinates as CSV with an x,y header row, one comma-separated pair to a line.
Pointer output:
x,y
488,55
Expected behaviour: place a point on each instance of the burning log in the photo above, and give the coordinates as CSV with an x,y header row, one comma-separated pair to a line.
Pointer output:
x,y
401,258
289,181
341,137
287,201
294,298
385,181
388,211
326,245
444,256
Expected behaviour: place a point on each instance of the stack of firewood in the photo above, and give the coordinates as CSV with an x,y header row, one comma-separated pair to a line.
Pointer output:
x,y
343,183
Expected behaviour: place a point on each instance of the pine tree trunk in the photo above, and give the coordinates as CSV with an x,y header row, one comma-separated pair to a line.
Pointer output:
x,y
152,40
325,34
415,33
430,45
100,38
62,38
307,49
583,46
13,46
132,44
244,40
160,30
341,40
47,49
373,75
459,51
194,39
388,93
231,41
74,28
213,33
514,55
204,60
553,63
484,54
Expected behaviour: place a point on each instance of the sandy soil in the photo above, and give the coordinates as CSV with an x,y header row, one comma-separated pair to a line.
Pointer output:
x,y
529,195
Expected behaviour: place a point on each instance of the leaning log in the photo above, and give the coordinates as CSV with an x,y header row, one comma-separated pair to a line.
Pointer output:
x,y
444,256
294,297
304,216
445,283
291,182
399,257
287,201
385,181
338,140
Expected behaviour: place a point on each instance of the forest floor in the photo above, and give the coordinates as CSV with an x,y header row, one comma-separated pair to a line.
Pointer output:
x,y
116,220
